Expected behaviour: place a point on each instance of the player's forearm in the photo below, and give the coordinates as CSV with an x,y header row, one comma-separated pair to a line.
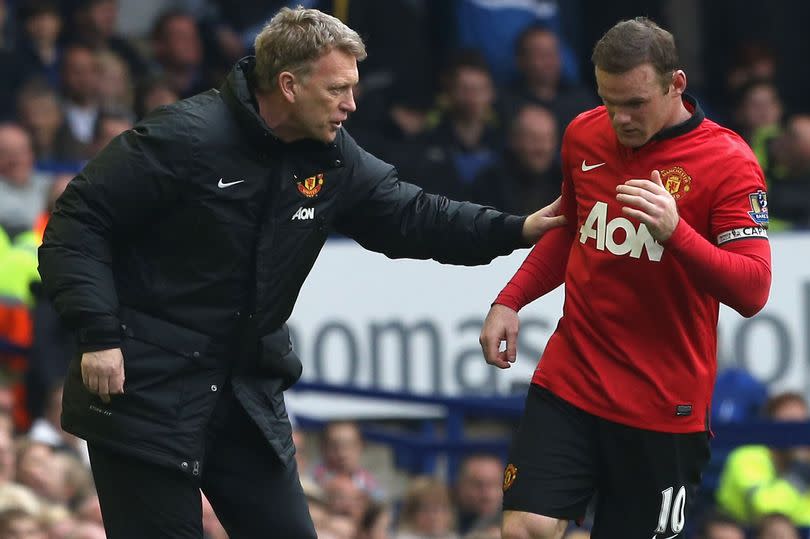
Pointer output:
x,y
738,274
541,272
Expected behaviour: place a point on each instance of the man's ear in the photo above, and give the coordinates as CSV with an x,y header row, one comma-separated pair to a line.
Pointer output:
x,y
679,82
287,85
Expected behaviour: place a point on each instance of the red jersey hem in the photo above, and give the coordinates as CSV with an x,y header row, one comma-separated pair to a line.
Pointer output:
x,y
571,398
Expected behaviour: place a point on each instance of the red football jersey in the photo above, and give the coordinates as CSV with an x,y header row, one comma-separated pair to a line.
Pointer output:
x,y
637,341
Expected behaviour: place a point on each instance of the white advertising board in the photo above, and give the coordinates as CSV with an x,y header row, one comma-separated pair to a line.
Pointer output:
x,y
367,321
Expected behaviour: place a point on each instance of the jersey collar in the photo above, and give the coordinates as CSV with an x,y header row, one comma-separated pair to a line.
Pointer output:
x,y
687,125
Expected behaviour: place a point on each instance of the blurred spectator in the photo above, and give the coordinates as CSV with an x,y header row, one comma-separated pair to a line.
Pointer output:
x,y
16,496
37,469
789,187
301,457
718,526
738,396
752,60
528,175
577,534
58,521
341,454
758,107
38,43
8,457
87,530
776,526
376,523
479,490
541,81
39,112
426,511
114,82
80,89
398,33
177,49
152,93
758,119
389,122
109,124
341,527
48,430
757,480
345,498
20,524
488,528
88,508
468,137
52,345
22,191
94,24
16,71
495,27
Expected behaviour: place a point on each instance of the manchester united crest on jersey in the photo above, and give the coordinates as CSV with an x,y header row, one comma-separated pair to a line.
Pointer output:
x,y
676,181
311,186
509,476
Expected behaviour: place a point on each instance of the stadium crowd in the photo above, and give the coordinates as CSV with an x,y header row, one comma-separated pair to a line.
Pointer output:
x,y
480,121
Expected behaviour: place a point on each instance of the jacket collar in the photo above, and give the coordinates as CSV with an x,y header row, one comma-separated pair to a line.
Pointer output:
x,y
238,95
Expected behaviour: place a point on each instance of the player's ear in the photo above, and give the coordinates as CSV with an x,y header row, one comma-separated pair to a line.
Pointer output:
x,y
678,83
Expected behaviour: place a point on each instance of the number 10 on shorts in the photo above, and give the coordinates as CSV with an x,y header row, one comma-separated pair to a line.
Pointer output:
x,y
675,508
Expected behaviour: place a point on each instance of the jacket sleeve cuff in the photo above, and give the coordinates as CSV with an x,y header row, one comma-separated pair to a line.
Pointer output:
x,y
101,334
513,229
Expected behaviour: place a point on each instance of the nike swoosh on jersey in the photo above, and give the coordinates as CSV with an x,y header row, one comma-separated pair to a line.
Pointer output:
x,y
586,167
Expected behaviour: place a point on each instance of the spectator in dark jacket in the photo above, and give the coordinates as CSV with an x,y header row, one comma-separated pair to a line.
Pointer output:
x,y
528,174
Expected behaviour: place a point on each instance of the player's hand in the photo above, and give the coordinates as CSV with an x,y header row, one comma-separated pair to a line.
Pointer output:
x,y
542,221
103,372
650,202
501,324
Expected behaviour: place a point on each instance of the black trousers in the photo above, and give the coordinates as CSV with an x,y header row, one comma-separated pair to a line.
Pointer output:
x,y
252,493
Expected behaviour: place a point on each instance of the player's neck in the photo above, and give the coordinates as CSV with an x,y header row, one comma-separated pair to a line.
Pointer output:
x,y
679,115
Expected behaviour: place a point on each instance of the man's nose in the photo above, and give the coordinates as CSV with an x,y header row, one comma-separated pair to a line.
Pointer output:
x,y
348,105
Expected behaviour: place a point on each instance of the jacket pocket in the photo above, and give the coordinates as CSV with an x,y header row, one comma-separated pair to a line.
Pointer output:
x,y
277,359
159,358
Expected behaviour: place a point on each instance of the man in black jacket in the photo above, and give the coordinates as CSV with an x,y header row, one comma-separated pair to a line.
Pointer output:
x,y
177,255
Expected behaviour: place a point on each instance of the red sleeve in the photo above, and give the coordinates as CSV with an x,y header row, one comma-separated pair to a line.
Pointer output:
x,y
544,268
541,272
737,274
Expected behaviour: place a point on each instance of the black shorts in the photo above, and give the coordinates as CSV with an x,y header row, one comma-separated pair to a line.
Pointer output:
x,y
562,456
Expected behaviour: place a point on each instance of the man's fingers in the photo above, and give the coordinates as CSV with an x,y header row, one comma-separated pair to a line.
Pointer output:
x,y
501,361
655,177
511,345
104,388
489,347
646,186
554,207
117,382
637,214
92,383
637,202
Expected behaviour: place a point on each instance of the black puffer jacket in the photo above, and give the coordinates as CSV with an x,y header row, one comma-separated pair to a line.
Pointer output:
x,y
186,241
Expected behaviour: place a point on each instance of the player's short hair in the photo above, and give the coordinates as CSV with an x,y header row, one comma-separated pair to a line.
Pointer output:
x,y
634,42
294,38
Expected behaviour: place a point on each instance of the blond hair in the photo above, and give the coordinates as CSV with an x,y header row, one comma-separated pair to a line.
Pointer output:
x,y
294,38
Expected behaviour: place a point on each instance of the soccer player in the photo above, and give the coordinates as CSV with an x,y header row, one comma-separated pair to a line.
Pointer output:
x,y
667,217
